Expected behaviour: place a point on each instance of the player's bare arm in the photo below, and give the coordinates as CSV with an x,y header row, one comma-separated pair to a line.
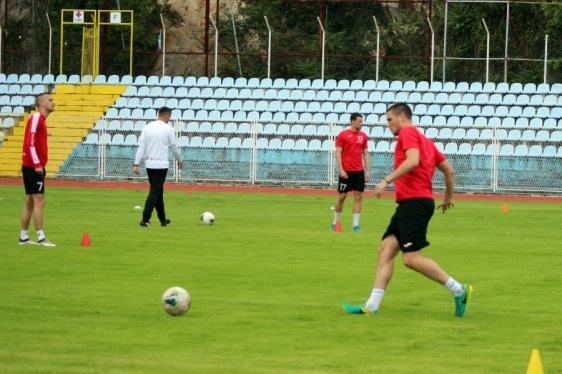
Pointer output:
x,y
343,174
449,174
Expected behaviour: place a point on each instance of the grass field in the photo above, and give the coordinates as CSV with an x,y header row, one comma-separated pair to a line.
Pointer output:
x,y
267,282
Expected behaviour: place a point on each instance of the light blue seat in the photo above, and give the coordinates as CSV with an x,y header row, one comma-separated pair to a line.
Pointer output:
x,y
317,84
278,116
458,134
240,115
472,134
304,84
379,109
356,85
137,113
486,134
60,79
256,94
340,107
244,94
536,100
516,111
542,112
454,98
502,88
450,149
130,91
48,79
309,130
508,100
215,82
291,84
422,86
202,82
549,151
331,117
431,133
287,107
197,104
542,136
140,80
164,81
292,117
556,136
343,85
278,83
214,115
38,89
300,107
134,102
523,100
439,121
210,104
283,94
475,88
351,107
528,135
420,109
515,88
542,89
426,120
435,87
506,150
433,110
330,84
482,99
501,111
464,149
461,111
188,114
366,108
170,103
35,79
414,98
143,91
348,96
327,107
309,95
382,85
395,86
201,114
152,80
521,122
514,135
14,89
240,82
181,92
144,104
265,83
462,87
535,122
28,101
534,151
428,98
231,94
448,87
374,97
445,133
556,113
335,96
387,97
529,112
305,117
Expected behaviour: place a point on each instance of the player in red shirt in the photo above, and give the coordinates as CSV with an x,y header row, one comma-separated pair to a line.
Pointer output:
x,y
351,151
34,160
415,160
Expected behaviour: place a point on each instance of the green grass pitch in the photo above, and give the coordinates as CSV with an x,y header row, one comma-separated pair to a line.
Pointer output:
x,y
267,282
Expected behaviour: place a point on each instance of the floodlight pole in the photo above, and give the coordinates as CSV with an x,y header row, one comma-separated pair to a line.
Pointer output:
x,y
163,45
268,48
50,41
323,47
487,49
545,56
216,43
432,48
378,42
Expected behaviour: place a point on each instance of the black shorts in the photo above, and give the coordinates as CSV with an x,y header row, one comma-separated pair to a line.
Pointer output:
x,y
34,183
409,223
355,182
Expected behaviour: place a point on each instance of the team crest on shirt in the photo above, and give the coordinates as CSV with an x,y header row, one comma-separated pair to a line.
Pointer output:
x,y
359,139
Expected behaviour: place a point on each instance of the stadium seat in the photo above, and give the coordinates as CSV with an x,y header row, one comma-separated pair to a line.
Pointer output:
x,y
202,82
506,150
382,85
502,88
374,97
549,151
464,149
395,86
508,100
356,85
240,82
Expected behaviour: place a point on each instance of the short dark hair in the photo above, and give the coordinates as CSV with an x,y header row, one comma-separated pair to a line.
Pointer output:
x,y
399,108
354,116
39,98
164,111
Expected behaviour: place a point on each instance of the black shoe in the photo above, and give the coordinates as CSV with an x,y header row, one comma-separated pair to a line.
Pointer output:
x,y
144,224
165,222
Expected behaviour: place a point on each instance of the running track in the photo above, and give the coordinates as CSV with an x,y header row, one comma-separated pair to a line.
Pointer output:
x,y
271,190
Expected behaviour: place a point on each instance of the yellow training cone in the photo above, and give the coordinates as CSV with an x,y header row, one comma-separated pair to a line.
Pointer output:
x,y
535,365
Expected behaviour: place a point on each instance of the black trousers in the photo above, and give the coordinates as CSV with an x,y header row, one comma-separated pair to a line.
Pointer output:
x,y
155,198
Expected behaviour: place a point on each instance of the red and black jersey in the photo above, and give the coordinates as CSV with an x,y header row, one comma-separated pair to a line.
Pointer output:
x,y
352,144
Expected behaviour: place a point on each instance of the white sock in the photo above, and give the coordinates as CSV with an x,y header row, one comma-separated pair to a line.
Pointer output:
x,y
375,300
356,219
24,235
336,217
454,286
40,235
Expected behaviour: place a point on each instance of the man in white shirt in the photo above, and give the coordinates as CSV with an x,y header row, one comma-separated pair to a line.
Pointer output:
x,y
155,140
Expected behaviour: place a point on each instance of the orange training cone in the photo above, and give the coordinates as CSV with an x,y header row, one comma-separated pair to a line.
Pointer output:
x,y
337,227
504,208
535,365
85,240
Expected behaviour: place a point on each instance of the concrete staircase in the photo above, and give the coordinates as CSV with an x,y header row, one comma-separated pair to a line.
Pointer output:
x,y
77,109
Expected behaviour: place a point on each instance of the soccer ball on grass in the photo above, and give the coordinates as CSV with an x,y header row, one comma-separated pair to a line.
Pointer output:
x,y
207,218
176,301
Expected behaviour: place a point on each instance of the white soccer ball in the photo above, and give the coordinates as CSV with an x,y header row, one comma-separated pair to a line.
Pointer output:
x,y
207,218
176,301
